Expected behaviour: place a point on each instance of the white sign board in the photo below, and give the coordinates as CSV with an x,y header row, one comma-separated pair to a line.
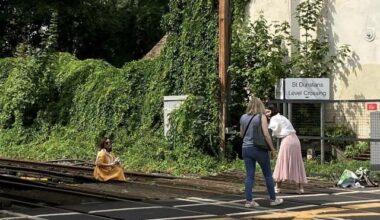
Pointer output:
x,y
304,89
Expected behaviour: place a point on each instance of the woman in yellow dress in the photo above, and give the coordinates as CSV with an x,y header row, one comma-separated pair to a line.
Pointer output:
x,y
107,166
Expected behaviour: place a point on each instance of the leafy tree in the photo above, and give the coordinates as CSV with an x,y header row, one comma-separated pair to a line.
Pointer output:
x,y
115,30
312,56
259,59
261,53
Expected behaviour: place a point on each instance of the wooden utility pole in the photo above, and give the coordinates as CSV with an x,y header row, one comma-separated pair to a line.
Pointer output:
x,y
224,60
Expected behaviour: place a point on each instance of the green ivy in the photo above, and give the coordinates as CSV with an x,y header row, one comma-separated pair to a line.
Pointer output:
x,y
53,105
190,61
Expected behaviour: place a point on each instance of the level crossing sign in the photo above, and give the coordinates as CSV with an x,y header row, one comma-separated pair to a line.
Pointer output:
x,y
303,89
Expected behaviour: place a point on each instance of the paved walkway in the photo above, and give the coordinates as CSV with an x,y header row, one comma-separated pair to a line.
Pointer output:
x,y
363,204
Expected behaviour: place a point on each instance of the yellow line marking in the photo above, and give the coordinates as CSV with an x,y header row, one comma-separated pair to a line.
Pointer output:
x,y
349,215
308,214
322,212
363,206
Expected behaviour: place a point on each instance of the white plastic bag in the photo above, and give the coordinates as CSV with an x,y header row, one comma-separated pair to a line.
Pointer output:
x,y
347,179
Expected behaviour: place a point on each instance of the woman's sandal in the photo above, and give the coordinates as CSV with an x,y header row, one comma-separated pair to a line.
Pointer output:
x,y
277,190
300,191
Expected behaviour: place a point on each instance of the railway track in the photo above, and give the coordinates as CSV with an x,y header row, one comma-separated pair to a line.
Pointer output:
x,y
50,203
81,171
36,190
79,178
67,190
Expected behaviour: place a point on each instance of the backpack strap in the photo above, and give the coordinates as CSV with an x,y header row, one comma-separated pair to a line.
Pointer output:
x,y
245,131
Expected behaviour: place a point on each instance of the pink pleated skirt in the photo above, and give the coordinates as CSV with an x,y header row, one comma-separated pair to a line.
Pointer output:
x,y
289,165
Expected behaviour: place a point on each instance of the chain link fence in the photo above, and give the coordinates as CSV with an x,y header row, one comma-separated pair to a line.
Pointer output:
x,y
336,129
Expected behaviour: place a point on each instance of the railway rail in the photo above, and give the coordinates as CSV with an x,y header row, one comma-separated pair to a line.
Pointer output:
x,y
139,185
67,190
37,190
79,178
81,170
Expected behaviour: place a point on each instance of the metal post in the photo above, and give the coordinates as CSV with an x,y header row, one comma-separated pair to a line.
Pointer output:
x,y
322,133
224,59
278,139
375,145
285,109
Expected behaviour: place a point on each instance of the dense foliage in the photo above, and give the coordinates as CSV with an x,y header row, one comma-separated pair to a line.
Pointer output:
x,y
114,30
54,105
191,54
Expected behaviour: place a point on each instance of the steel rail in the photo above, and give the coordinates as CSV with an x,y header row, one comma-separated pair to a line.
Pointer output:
x,y
75,169
30,171
69,174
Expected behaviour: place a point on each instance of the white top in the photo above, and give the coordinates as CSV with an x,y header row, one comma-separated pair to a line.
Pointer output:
x,y
281,126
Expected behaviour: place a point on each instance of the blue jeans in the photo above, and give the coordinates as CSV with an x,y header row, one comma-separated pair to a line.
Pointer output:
x,y
250,156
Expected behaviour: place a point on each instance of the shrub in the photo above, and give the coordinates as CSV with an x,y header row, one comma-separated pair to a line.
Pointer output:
x,y
338,135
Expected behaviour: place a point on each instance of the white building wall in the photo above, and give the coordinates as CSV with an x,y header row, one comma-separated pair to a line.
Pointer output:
x,y
350,21
273,10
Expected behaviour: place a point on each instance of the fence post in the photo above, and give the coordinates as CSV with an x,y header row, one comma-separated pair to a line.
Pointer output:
x,y
322,132
285,109
375,145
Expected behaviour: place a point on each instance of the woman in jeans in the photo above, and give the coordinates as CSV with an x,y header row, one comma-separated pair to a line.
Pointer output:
x,y
253,154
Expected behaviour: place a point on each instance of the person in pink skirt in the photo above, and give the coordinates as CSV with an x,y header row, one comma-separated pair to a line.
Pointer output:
x,y
289,165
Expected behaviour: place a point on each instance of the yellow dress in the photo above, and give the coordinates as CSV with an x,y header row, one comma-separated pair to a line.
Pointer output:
x,y
105,173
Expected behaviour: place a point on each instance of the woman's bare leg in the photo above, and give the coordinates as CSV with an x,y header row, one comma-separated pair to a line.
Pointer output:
x,y
278,187
300,189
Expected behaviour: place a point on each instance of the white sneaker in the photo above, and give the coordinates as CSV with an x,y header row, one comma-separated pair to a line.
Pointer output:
x,y
277,201
250,204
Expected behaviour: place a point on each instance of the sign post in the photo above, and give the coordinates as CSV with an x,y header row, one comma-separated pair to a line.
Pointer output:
x,y
307,89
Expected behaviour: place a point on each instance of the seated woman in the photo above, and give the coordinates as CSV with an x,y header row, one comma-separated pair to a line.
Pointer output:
x,y
107,167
